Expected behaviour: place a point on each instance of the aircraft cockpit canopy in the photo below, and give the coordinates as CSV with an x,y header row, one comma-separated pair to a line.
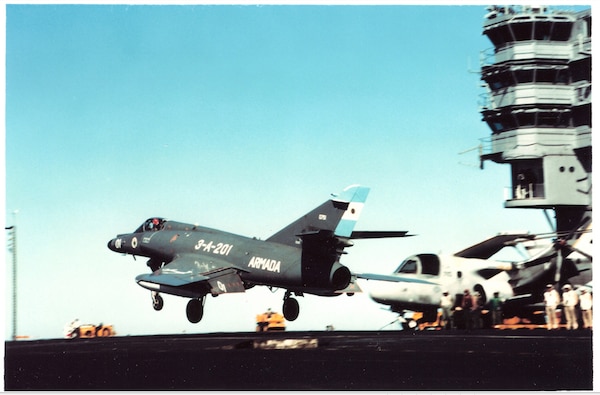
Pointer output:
x,y
420,264
151,225
409,265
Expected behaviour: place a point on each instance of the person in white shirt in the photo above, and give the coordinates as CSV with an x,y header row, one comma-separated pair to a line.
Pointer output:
x,y
585,303
570,300
446,304
551,300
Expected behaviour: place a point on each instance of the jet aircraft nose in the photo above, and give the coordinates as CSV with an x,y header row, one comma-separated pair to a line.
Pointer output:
x,y
125,243
112,246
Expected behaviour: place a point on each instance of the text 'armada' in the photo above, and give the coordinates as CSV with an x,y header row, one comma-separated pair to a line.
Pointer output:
x,y
271,265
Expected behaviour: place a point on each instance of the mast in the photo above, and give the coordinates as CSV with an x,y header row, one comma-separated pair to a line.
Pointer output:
x,y
13,248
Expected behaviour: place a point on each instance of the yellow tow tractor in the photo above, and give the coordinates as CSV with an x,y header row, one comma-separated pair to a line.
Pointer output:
x,y
88,331
270,321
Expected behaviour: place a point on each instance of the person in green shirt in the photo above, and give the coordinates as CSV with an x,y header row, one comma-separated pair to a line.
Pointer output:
x,y
496,308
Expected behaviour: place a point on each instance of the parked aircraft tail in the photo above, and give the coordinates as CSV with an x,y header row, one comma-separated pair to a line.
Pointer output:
x,y
335,217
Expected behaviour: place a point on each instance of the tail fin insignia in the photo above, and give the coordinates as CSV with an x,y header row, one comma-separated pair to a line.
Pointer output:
x,y
338,215
356,196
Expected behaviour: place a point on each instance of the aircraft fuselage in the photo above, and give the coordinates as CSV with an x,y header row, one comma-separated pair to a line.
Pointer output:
x,y
420,291
259,262
193,261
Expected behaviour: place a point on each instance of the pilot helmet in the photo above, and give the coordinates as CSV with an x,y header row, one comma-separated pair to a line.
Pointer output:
x,y
566,286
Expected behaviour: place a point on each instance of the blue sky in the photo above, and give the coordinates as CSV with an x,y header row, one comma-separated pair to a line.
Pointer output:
x,y
240,118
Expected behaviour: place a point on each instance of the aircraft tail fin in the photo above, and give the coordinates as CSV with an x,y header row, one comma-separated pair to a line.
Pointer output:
x,y
335,217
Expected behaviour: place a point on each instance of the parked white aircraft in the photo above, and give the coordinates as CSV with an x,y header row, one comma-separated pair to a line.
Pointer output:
x,y
417,284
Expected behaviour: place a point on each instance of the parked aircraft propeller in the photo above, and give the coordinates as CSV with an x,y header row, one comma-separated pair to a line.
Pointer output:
x,y
562,244
555,254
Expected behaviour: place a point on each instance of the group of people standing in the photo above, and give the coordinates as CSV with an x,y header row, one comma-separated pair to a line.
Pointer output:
x,y
570,300
472,304
471,307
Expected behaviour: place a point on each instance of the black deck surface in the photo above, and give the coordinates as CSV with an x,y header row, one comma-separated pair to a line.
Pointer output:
x,y
387,360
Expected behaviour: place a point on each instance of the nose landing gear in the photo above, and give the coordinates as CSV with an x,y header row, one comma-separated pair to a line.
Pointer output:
x,y
194,310
157,301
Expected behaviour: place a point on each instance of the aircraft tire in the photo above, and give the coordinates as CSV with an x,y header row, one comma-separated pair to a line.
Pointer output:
x,y
410,325
291,309
194,311
158,303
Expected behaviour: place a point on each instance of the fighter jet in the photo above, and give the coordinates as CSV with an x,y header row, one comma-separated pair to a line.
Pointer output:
x,y
418,283
304,257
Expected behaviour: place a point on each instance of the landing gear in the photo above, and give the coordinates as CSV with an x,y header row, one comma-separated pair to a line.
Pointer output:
x,y
157,301
409,325
291,308
195,310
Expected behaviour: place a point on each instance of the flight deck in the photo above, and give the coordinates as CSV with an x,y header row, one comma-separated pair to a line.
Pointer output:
x,y
381,360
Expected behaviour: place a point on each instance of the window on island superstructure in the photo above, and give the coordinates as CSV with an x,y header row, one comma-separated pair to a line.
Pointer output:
x,y
552,30
527,28
499,36
498,78
525,119
545,30
522,31
552,119
516,118
581,70
582,115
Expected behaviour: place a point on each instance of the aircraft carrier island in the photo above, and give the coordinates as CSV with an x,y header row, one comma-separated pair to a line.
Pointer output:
x,y
538,105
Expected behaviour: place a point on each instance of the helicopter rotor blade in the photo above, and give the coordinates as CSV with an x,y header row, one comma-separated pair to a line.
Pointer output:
x,y
559,260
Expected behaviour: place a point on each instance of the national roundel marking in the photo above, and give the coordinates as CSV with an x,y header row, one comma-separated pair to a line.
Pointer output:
x,y
134,242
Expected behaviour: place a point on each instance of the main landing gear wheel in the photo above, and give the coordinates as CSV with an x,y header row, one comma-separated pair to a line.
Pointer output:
x,y
157,301
291,308
195,310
